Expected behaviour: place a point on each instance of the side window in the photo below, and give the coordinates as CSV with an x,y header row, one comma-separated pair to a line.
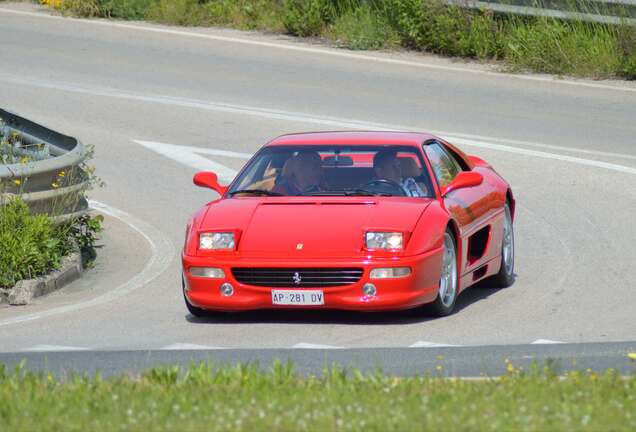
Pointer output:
x,y
444,166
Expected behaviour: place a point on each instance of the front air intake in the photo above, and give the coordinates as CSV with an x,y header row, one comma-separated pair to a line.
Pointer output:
x,y
297,277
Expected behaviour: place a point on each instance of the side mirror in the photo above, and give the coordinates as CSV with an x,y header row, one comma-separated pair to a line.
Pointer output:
x,y
209,180
464,179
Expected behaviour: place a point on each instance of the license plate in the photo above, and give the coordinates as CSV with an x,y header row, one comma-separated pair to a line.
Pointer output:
x,y
297,297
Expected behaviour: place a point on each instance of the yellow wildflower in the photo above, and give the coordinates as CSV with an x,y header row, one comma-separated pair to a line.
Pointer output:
x,y
17,182
439,367
55,185
510,368
61,174
632,356
24,159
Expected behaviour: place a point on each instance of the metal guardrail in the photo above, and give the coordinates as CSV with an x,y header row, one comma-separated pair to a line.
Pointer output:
x,y
615,12
53,185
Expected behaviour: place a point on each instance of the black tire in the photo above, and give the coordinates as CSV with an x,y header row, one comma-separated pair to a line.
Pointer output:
x,y
444,304
194,311
506,275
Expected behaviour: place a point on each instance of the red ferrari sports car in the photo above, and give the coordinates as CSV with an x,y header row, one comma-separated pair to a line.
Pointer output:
x,y
364,221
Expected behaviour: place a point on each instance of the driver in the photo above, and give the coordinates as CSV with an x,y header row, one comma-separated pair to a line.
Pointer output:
x,y
302,174
386,166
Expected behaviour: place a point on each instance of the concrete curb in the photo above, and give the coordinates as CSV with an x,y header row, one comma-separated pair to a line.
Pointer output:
x,y
25,291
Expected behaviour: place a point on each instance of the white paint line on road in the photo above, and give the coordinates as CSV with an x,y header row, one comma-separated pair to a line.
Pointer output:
x,y
333,52
161,253
426,344
489,139
545,155
303,345
189,346
189,156
546,342
473,140
201,150
49,348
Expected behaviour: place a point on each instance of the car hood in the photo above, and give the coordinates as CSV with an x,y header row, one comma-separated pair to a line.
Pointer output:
x,y
310,227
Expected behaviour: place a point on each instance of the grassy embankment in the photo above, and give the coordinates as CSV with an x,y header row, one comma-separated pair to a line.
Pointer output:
x,y
521,44
244,398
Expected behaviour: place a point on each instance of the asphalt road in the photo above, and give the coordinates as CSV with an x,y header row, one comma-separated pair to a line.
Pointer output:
x,y
568,147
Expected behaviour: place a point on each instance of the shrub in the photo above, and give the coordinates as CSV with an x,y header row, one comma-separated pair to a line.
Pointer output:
x,y
30,245
81,8
364,28
307,17
125,9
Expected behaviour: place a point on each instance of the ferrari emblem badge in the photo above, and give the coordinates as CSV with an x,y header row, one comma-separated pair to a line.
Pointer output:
x,y
296,279
299,246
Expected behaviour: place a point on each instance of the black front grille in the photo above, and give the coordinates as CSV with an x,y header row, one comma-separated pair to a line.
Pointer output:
x,y
297,277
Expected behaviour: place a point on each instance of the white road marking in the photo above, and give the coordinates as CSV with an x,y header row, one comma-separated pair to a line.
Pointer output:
x,y
189,346
189,156
545,155
546,342
467,139
333,52
426,344
161,254
303,345
47,348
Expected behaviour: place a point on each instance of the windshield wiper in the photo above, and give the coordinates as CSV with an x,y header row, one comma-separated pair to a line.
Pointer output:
x,y
255,192
325,193
364,192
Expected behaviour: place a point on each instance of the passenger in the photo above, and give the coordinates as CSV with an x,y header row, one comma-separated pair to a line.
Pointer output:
x,y
301,174
386,166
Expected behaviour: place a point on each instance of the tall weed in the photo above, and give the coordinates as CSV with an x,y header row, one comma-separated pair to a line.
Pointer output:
x,y
179,12
627,45
364,29
245,14
556,47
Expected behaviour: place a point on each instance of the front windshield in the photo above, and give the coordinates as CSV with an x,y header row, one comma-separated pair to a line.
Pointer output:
x,y
335,170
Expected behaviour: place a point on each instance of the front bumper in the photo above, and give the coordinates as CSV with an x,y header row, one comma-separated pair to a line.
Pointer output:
x,y
418,288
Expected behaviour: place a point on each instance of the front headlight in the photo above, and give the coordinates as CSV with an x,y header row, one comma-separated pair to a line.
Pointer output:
x,y
384,240
217,241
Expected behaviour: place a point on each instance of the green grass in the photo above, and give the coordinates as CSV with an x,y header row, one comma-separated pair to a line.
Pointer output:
x,y
243,398
523,44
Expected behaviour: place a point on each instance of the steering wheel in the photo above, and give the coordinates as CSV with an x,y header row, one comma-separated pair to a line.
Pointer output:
x,y
388,186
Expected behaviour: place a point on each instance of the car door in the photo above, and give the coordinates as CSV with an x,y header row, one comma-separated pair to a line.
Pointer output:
x,y
470,207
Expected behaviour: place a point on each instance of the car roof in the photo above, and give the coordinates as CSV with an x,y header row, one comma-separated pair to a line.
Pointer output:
x,y
353,138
